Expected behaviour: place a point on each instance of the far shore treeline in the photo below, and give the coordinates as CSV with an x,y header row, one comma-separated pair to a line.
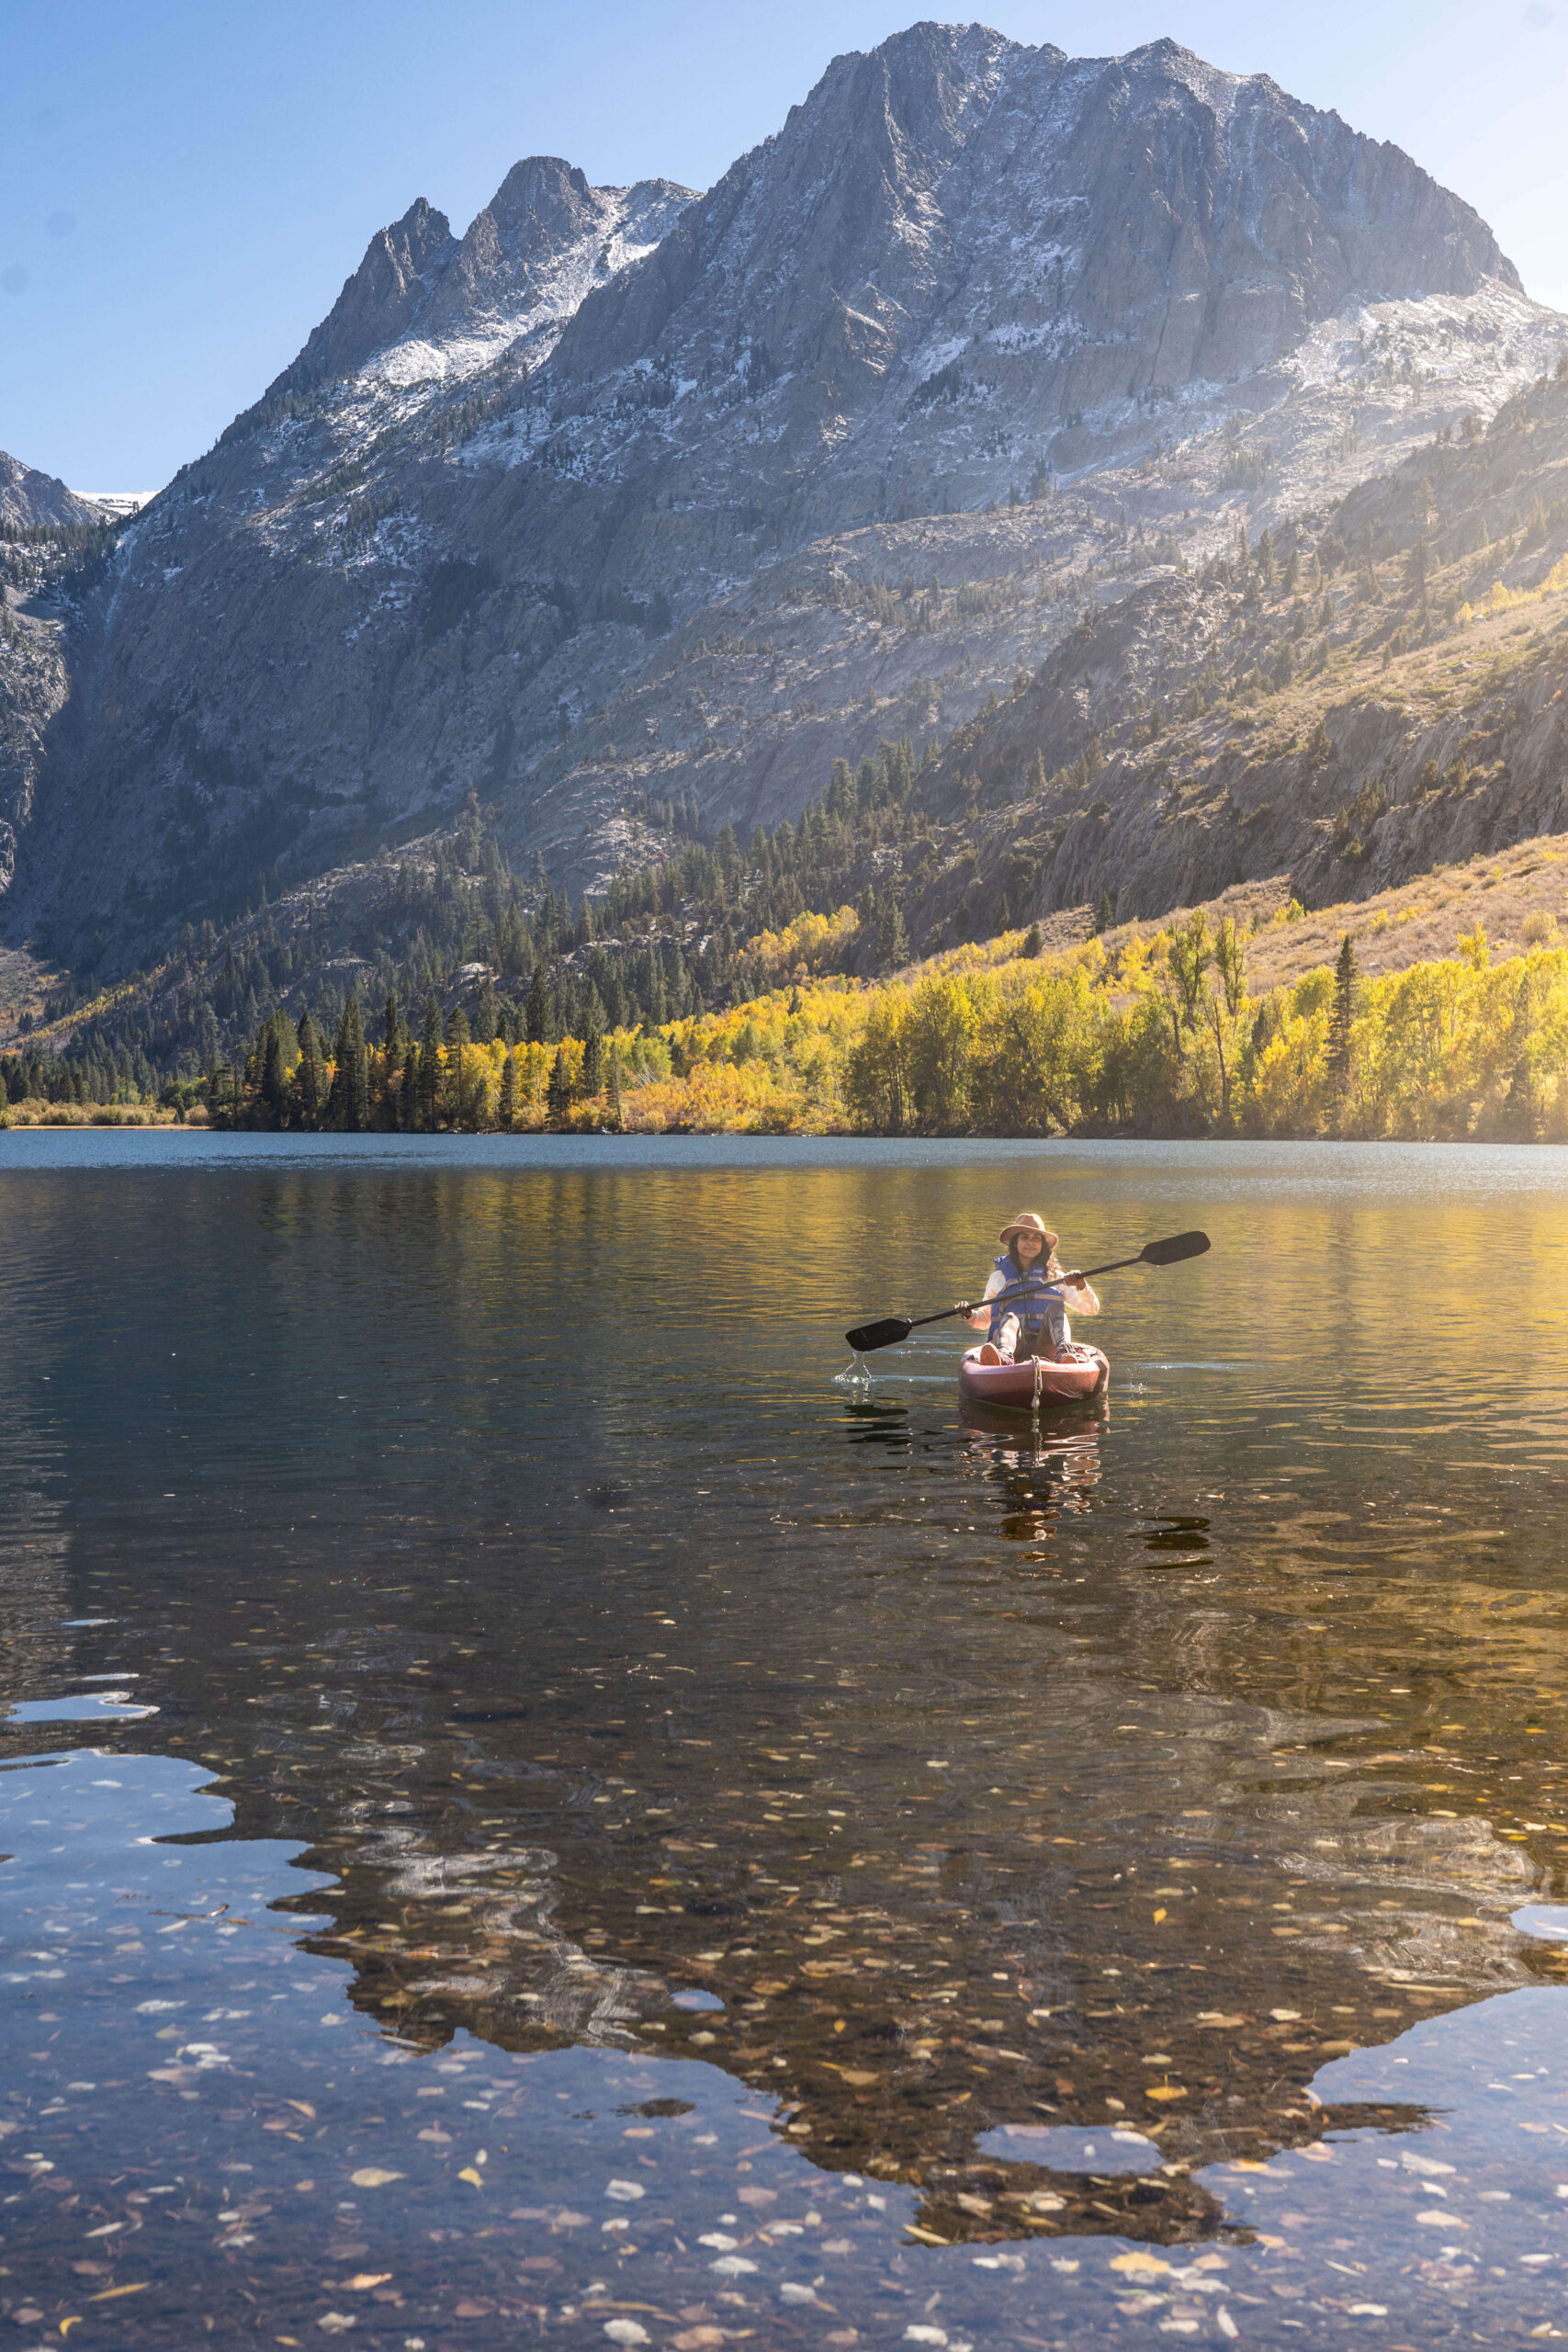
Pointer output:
x,y
790,986
1157,1035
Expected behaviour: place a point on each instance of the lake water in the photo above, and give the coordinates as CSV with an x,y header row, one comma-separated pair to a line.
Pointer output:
x,y
532,1812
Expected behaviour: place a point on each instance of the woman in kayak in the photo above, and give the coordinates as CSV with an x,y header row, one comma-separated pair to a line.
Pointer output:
x,y
1035,1322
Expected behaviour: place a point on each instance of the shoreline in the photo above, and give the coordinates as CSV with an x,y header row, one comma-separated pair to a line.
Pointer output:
x,y
377,1139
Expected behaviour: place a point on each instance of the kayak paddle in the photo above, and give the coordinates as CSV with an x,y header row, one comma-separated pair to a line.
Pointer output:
x,y
892,1329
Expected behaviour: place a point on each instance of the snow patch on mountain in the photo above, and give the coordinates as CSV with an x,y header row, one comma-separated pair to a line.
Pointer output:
x,y
1496,338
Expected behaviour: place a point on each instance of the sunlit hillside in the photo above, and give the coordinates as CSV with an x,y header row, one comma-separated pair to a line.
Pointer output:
x,y
1244,1016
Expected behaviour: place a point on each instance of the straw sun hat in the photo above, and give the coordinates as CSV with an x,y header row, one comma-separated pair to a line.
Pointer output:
x,y
1027,1222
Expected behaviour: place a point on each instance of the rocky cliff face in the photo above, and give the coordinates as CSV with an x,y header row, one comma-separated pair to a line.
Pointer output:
x,y
959,251
394,283
34,685
1373,689
1379,690
34,676
31,501
602,497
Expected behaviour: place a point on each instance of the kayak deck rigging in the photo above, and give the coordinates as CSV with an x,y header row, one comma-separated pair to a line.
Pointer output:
x,y
1037,1381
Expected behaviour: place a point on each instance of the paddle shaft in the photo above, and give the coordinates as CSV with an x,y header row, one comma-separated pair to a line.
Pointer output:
x,y
891,1329
1000,1297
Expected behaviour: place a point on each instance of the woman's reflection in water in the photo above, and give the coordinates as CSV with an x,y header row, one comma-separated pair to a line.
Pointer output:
x,y
1042,1469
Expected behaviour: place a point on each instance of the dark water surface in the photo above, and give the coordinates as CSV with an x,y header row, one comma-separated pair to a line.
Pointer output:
x,y
531,1812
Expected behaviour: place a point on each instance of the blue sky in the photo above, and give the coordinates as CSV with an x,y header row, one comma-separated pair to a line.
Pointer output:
x,y
184,187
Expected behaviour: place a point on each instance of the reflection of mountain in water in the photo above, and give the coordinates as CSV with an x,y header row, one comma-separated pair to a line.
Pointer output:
x,y
511,1971
1425,2190
1016,1971
601,1666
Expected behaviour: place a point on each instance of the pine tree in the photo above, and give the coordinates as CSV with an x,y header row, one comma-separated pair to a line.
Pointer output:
x,y
359,1068
484,1012
310,1078
274,1088
430,1044
892,939
558,1094
349,1108
458,1040
616,1081
390,1024
507,1113
1341,1018
402,1090
593,1062
538,1018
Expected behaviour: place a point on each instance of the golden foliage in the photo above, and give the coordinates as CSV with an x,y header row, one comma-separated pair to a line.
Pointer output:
x,y
1499,599
808,944
1164,1040
1159,1038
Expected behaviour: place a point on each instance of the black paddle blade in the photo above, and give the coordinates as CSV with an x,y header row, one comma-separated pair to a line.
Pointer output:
x,y
1179,1246
886,1334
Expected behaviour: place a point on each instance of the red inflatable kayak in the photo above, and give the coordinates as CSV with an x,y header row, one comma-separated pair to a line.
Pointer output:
x,y
1030,1386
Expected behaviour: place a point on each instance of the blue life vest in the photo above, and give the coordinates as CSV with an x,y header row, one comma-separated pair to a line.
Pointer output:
x,y
1032,1307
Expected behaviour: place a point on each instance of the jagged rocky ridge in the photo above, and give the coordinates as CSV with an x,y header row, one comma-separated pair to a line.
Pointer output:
x,y
526,501
425,304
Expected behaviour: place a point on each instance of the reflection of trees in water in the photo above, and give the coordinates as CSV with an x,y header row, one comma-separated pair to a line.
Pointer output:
x,y
36,1654
905,1960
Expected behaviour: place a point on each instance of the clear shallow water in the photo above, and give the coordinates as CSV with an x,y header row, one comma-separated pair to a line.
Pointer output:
x,y
1018,1887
